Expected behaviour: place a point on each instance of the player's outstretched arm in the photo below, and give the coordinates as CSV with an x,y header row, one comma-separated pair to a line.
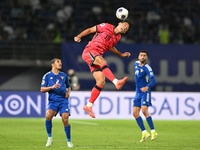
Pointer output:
x,y
84,33
115,51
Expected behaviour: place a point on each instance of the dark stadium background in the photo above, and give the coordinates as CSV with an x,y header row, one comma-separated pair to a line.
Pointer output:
x,y
32,32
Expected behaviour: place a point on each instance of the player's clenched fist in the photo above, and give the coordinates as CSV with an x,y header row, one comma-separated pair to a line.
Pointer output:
x,y
126,54
77,39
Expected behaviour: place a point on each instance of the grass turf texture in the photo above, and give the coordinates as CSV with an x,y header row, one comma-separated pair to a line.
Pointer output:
x,y
30,134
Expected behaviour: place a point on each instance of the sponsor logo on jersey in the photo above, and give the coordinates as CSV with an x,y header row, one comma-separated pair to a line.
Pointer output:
x,y
102,24
136,72
57,81
51,78
151,73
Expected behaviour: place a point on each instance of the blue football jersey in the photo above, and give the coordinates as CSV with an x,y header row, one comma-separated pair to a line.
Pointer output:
x,y
49,79
144,76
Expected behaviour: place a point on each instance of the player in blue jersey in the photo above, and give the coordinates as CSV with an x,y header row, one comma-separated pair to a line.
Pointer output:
x,y
56,83
144,79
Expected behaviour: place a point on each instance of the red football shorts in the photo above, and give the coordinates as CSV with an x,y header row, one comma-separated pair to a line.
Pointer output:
x,y
88,56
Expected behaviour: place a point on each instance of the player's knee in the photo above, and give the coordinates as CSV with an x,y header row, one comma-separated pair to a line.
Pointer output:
x,y
99,60
145,112
101,82
65,118
103,61
135,114
49,116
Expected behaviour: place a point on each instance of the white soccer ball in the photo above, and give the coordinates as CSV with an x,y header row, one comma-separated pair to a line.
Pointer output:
x,y
122,13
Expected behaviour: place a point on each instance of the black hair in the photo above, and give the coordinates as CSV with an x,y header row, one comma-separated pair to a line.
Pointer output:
x,y
143,51
130,22
53,60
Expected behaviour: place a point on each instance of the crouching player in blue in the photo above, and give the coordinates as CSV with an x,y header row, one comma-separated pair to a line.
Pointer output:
x,y
56,83
144,79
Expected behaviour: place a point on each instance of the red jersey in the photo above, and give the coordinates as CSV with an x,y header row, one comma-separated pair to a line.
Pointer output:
x,y
104,39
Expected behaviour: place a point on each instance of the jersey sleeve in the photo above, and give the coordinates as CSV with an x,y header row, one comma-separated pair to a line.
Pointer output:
x,y
151,76
100,27
44,81
137,63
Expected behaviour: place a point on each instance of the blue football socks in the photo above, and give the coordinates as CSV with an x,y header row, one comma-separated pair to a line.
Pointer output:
x,y
68,133
140,123
150,122
48,125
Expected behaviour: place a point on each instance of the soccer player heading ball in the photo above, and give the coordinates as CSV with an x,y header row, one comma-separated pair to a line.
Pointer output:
x,y
105,38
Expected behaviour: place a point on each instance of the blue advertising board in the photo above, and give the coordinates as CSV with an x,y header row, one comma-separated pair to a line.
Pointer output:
x,y
22,104
176,67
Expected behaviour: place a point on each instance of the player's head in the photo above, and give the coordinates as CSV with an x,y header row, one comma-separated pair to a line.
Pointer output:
x,y
143,56
56,63
125,25
130,22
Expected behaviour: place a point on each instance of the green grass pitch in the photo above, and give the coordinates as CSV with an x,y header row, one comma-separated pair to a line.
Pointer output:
x,y
30,134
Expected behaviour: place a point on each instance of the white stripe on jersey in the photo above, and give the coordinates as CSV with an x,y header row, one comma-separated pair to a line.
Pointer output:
x,y
46,74
147,97
148,67
138,61
147,78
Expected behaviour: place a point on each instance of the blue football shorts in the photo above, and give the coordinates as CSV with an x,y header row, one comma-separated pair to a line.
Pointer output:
x,y
142,98
59,106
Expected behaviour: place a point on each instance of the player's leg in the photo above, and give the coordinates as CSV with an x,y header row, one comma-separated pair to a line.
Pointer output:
x,y
67,128
100,61
154,134
145,134
136,114
48,123
65,113
100,82
146,101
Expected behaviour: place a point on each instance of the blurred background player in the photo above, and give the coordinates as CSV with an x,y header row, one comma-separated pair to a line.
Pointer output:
x,y
105,38
56,83
73,80
144,79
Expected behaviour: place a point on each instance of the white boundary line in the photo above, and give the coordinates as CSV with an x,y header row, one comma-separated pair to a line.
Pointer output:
x,y
83,122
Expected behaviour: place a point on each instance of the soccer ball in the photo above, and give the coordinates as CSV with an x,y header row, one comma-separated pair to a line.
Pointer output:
x,y
122,13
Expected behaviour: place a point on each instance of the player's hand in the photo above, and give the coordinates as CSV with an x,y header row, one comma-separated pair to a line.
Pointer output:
x,y
67,94
144,89
125,54
56,86
77,39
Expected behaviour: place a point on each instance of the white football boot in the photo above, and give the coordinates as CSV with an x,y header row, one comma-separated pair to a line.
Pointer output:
x,y
49,142
70,145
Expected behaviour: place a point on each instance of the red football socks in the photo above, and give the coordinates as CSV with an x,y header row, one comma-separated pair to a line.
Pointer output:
x,y
107,72
95,93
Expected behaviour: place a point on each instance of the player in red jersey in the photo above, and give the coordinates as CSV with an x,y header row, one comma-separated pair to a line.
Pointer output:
x,y
105,38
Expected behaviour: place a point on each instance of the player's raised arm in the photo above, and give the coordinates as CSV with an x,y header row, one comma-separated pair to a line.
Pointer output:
x,y
115,51
84,33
